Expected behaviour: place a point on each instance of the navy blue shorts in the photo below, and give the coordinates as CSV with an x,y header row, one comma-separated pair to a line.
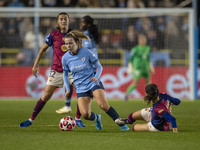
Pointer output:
x,y
90,92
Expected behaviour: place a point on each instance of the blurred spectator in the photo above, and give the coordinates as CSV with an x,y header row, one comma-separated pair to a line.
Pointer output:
x,y
151,4
94,3
152,39
160,28
143,25
12,38
30,39
66,3
135,4
2,33
167,3
88,3
45,24
131,4
25,26
48,3
121,3
15,3
29,3
128,41
3,3
107,4
26,56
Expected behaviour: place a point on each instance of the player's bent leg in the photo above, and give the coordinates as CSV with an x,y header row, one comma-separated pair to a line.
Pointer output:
x,y
140,127
146,114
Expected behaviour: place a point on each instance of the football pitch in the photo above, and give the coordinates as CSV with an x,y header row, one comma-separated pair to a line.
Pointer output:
x,y
45,134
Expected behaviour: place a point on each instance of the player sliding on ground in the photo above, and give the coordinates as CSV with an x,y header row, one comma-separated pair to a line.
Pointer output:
x,y
158,117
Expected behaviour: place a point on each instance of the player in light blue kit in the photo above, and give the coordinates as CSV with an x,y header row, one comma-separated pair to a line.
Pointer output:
x,y
158,117
90,29
80,62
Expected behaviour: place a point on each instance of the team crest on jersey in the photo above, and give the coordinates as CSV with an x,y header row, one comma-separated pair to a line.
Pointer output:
x,y
64,48
83,58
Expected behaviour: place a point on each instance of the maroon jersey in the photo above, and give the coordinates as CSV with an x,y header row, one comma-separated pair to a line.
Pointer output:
x,y
55,39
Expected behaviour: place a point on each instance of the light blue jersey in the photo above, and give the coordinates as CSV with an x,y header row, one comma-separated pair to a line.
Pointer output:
x,y
81,67
91,45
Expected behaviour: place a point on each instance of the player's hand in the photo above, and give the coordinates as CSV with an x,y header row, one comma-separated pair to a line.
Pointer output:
x,y
35,71
67,93
130,68
175,130
94,79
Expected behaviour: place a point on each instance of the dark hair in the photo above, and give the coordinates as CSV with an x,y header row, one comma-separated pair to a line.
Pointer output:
x,y
93,30
62,13
152,92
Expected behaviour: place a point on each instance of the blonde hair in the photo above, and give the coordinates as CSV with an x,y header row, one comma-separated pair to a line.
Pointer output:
x,y
78,36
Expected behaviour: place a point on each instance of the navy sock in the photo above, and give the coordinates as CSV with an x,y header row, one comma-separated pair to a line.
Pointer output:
x,y
112,113
92,117
68,100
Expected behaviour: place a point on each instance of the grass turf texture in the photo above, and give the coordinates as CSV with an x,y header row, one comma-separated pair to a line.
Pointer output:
x,y
45,134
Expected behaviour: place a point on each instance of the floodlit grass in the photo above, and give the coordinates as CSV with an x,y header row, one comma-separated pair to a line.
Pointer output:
x,y
45,134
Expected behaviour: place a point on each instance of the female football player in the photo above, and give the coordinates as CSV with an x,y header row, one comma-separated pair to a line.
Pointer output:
x,y
90,29
55,79
139,64
80,62
159,117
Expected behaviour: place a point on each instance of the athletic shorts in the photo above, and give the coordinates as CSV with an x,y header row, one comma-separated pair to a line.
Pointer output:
x,y
137,74
146,114
56,79
90,92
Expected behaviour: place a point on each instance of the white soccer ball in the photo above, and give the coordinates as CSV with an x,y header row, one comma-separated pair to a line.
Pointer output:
x,y
67,124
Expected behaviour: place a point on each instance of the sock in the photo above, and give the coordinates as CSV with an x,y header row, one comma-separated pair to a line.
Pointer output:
x,y
92,117
130,119
68,100
130,89
78,114
112,113
38,107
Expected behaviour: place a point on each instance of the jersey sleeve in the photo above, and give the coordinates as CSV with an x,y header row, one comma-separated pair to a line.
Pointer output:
x,y
99,69
173,100
92,57
87,44
49,40
65,74
170,118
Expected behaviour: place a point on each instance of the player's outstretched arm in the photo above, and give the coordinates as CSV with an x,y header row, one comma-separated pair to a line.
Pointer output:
x,y
39,56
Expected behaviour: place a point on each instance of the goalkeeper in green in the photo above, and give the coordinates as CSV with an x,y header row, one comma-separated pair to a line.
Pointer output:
x,y
139,64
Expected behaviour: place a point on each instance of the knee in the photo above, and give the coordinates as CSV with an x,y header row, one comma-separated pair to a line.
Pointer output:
x,y
85,115
45,97
104,106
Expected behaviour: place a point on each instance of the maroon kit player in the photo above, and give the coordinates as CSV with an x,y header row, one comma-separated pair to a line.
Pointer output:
x,y
55,78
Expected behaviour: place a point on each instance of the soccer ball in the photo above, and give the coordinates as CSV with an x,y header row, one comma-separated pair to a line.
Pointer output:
x,y
67,124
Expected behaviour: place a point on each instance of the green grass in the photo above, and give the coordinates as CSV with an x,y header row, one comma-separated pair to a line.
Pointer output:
x,y
46,135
